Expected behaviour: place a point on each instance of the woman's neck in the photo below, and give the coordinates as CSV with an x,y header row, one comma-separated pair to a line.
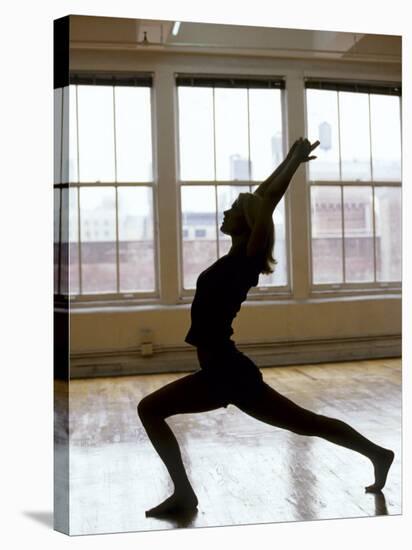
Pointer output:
x,y
239,243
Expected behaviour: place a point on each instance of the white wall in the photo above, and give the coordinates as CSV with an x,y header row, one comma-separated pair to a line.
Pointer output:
x,y
303,317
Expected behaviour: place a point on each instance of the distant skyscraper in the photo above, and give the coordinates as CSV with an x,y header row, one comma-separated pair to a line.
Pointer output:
x,y
325,136
239,168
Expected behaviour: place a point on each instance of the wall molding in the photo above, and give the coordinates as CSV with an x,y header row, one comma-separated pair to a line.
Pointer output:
x,y
183,358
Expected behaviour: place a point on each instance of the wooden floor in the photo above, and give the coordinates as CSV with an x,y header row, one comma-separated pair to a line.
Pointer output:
x,y
242,470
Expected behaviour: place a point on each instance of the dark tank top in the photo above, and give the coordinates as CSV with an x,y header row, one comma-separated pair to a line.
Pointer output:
x,y
220,290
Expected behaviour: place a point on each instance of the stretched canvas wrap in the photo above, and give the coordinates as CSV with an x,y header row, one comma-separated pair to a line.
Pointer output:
x,y
159,127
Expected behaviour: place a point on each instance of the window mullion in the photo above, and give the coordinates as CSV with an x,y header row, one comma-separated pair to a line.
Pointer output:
x,y
116,195
296,198
167,188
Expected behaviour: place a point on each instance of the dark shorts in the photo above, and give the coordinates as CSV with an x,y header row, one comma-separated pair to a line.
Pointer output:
x,y
229,374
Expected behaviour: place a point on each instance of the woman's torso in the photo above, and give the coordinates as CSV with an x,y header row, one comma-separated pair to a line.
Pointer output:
x,y
220,291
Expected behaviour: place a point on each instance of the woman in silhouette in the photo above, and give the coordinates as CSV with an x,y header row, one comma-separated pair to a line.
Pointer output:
x,y
227,375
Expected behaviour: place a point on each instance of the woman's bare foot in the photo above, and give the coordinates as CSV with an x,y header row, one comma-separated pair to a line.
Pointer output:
x,y
381,464
175,504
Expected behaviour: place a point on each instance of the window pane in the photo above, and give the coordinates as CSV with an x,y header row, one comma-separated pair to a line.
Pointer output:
x,y
98,238
326,234
196,134
69,283
226,195
358,226
266,146
133,134
96,133
386,137
56,238
388,224
322,109
280,275
232,144
136,254
57,113
354,136
69,153
198,213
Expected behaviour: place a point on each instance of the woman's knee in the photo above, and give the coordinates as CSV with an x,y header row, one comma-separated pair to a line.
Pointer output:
x,y
310,424
146,408
319,425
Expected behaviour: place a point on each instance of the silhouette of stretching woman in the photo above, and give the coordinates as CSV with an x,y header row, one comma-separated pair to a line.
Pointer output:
x,y
227,375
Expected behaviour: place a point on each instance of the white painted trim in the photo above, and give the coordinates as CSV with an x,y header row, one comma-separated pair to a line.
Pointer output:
x,y
265,354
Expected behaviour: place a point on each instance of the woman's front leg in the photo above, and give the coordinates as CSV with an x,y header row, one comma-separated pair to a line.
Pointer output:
x,y
186,395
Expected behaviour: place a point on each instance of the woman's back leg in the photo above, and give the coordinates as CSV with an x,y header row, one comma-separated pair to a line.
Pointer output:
x,y
277,410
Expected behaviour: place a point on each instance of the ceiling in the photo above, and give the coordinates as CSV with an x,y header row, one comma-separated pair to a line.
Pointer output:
x,y
131,34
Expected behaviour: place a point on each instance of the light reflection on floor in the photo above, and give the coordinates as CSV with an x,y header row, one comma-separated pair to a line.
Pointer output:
x,y
242,470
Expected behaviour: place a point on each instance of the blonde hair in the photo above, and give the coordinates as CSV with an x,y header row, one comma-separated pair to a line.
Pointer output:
x,y
251,204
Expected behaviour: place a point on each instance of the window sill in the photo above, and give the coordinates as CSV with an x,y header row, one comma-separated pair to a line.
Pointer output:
x,y
253,301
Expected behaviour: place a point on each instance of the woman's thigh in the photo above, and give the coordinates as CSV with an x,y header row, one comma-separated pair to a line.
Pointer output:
x,y
190,394
275,409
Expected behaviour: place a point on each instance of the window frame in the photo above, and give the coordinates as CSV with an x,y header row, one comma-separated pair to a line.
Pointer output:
x,y
231,81
113,79
350,288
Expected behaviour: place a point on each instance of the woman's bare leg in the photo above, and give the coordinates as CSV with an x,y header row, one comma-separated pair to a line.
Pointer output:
x,y
275,409
186,395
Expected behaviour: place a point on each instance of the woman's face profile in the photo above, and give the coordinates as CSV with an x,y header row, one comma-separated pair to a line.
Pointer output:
x,y
234,222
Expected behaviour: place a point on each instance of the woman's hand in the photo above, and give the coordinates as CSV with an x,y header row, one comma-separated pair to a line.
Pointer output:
x,y
302,148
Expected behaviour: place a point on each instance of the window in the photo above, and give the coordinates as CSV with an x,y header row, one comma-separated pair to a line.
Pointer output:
x,y
355,183
104,183
230,139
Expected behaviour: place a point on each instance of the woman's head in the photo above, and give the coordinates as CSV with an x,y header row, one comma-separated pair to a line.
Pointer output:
x,y
239,220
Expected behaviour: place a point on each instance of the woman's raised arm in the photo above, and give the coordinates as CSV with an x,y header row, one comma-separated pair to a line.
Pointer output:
x,y
273,189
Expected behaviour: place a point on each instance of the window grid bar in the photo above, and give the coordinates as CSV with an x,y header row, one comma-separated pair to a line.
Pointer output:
x,y
117,298
216,223
373,189
116,196
370,137
215,169
343,234
59,260
249,164
311,277
339,138
106,184
60,178
59,255
374,234
214,132
341,193
245,183
79,242
356,183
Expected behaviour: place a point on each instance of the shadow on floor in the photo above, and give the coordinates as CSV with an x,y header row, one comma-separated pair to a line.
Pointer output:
x,y
45,518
